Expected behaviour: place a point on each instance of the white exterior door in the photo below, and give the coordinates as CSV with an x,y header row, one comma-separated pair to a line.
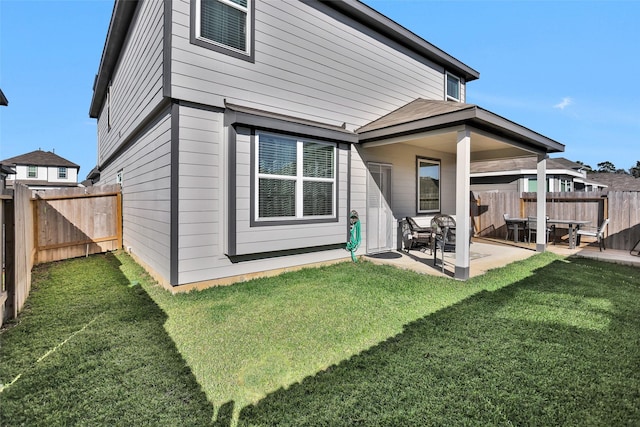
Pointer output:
x,y
379,214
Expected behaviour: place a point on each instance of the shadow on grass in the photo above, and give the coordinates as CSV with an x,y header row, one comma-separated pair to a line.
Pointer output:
x,y
90,349
560,347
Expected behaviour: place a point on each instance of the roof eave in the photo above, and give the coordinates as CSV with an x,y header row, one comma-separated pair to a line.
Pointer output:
x,y
476,117
121,17
377,21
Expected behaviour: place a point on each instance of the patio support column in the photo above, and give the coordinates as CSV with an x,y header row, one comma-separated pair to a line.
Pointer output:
x,y
463,204
541,204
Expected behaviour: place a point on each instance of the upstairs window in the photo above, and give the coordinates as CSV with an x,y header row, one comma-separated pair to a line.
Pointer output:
x,y
62,173
452,88
428,186
295,179
32,171
225,24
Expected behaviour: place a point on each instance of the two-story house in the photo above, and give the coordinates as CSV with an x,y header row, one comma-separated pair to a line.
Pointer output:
x,y
41,170
243,132
520,175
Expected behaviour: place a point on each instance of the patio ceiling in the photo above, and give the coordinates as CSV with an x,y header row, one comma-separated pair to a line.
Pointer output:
x,y
435,124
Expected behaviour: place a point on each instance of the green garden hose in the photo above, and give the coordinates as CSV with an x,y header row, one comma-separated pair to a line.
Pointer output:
x,y
354,242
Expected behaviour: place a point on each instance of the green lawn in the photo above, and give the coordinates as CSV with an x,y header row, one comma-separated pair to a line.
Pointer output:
x,y
545,341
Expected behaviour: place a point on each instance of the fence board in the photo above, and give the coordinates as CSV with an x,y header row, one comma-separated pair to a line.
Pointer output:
x,y
77,222
622,209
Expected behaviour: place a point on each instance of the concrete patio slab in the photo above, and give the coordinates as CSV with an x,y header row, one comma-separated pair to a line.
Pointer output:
x,y
487,254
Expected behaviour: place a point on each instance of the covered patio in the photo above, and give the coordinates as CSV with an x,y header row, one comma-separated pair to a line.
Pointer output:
x,y
451,135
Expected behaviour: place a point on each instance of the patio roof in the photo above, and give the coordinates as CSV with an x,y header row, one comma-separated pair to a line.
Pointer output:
x,y
430,118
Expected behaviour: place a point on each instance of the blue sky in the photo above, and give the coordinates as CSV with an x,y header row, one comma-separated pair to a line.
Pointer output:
x,y
568,70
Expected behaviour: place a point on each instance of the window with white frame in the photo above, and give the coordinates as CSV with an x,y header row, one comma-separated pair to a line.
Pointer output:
x,y
295,178
452,87
32,171
225,23
62,172
428,185
119,177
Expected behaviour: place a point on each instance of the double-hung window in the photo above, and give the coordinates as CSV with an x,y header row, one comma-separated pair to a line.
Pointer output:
x,y
294,179
428,185
32,171
452,87
62,172
226,24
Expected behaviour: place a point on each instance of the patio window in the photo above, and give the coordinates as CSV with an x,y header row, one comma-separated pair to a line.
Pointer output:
x,y
453,87
224,24
295,179
32,171
428,185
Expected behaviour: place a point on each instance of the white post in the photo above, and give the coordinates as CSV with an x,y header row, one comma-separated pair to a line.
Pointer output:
x,y
541,205
463,204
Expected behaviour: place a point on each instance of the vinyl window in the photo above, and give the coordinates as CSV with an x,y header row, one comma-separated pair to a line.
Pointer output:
x,y
62,172
453,87
225,23
32,171
295,178
428,186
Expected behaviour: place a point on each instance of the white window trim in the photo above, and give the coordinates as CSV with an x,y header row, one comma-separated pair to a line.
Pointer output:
x,y
433,162
35,174
119,177
446,87
249,27
299,178
66,172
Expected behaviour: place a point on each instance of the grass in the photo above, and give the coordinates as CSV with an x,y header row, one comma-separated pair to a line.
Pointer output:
x,y
542,341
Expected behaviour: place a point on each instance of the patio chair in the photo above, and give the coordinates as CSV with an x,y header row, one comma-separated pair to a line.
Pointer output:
x,y
532,229
598,233
511,227
414,235
444,237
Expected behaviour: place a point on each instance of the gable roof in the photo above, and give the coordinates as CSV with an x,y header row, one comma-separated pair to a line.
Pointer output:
x,y
40,158
123,12
520,164
616,181
425,114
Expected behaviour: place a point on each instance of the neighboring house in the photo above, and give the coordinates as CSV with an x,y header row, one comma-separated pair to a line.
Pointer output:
x,y
616,181
3,99
242,148
520,174
5,171
41,170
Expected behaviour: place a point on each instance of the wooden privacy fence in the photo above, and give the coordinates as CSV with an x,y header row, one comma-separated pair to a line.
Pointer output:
x,y
622,209
52,225
77,222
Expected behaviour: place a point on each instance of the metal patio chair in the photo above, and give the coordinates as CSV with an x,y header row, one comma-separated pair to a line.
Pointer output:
x,y
444,237
598,233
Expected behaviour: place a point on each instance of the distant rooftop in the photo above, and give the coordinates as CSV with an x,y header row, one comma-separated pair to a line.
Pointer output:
x,y
40,158
616,181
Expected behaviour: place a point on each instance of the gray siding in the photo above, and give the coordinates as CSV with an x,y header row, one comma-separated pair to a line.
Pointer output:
x,y
307,64
402,157
136,87
146,207
201,209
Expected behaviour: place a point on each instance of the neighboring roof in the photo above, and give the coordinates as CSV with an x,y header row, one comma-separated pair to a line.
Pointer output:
x,y
40,158
123,12
6,170
520,164
423,115
42,183
3,99
616,181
